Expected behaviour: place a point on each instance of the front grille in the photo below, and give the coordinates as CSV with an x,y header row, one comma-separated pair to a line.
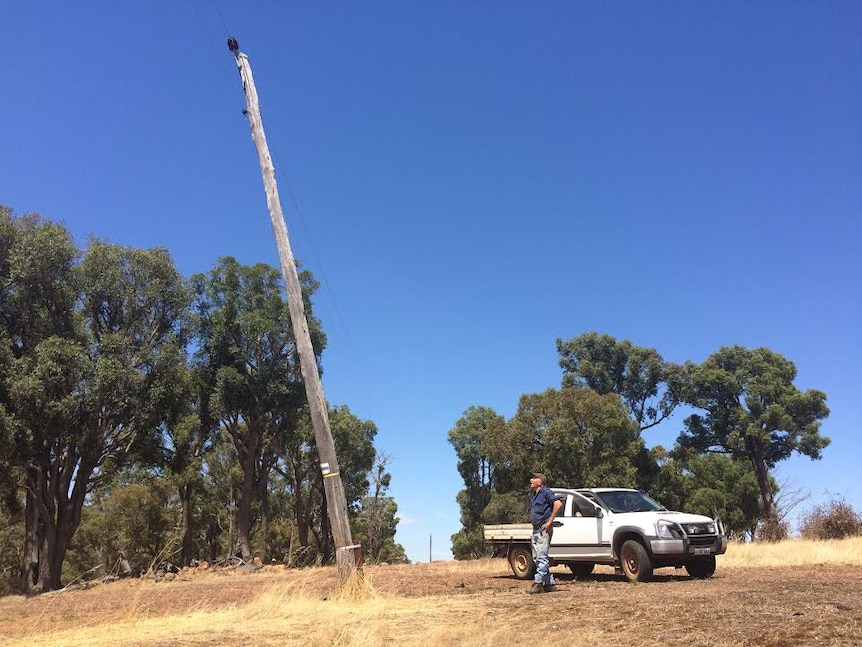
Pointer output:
x,y
703,540
707,528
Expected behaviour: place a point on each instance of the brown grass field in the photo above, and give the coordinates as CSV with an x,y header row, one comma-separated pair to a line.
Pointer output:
x,y
793,593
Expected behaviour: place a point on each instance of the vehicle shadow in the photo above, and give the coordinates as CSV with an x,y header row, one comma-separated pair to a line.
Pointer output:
x,y
606,577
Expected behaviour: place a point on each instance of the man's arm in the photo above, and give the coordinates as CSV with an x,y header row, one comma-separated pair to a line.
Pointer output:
x,y
555,510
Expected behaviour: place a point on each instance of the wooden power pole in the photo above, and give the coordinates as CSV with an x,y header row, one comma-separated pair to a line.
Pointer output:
x,y
348,556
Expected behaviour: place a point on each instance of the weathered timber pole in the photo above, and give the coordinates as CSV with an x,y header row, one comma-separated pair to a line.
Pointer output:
x,y
347,555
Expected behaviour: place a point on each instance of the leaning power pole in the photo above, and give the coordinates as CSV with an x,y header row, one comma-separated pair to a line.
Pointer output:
x,y
347,555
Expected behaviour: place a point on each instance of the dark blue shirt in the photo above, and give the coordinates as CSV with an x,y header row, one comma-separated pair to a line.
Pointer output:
x,y
541,505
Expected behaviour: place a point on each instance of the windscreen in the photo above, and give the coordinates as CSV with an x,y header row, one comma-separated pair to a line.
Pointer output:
x,y
628,501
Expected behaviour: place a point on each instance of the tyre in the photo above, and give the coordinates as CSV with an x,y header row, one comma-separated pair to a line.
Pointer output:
x,y
701,567
521,561
635,561
581,569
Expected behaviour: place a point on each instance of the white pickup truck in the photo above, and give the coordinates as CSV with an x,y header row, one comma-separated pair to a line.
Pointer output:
x,y
619,527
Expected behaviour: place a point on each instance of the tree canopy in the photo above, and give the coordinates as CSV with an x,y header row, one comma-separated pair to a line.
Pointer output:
x,y
120,380
753,411
648,385
748,417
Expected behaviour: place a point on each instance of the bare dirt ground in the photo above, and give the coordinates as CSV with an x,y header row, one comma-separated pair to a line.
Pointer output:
x,y
763,606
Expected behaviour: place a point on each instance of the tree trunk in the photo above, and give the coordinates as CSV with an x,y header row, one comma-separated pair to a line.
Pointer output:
x,y
246,498
762,474
186,502
299,508
264,519
60,518
30,558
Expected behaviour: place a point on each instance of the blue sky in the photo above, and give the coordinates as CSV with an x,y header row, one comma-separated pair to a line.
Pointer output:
x,y
471,181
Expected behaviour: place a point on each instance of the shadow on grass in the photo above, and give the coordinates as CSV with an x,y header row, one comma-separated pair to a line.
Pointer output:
x,y
659,578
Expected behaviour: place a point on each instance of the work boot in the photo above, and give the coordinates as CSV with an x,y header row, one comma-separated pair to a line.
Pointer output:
x,y
536,588
548,588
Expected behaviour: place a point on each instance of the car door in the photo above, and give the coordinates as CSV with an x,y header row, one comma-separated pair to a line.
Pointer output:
x,y
579,532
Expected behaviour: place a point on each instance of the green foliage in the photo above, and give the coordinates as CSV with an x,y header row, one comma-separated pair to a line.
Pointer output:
x,y
11,543
215,502
374,528
94,378
468,543
749,398
133,522
469,439
375,521
353,439
753,412
354,446
648,385
749,417
724,487
574,435
834,520
508,507
252,378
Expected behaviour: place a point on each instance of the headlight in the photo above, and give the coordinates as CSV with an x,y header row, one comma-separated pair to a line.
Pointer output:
x,y
666,530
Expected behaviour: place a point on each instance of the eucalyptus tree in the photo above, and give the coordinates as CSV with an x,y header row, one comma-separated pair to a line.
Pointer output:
x,y
94,344
648,385
254,390
727,488
469,439
574,435
188,438
376,522
354,445
42,350
753,412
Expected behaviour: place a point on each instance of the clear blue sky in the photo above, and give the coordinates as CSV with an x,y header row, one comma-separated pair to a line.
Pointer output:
x,y
472,180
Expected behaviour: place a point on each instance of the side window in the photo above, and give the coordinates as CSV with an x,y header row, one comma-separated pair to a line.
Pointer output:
x,y
581,507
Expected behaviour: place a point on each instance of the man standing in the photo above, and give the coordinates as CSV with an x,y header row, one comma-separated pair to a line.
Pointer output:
x,y
544,506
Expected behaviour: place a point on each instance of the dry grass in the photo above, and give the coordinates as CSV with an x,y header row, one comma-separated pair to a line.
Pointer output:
x,y
794,593
798,552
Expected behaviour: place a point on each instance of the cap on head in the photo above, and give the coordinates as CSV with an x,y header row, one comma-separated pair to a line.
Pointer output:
x,y
539,475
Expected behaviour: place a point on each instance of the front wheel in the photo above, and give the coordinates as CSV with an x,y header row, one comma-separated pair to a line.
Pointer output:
x,y
702,567
521,561
635,561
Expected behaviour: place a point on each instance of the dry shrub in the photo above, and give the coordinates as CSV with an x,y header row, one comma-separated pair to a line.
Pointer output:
x,y
834,520
773,529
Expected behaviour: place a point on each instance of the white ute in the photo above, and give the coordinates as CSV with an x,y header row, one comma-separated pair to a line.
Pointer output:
x,y
620,527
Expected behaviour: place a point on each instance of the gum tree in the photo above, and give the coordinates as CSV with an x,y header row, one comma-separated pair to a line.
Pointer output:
x,y
253,382
93,344
648,385
754,412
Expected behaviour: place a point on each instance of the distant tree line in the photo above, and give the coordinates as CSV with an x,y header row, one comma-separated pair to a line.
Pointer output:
x,y
746,416
146,417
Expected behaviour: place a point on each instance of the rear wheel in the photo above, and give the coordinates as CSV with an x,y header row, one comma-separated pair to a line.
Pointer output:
x,y
635,561
521,561
581,569
701,567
